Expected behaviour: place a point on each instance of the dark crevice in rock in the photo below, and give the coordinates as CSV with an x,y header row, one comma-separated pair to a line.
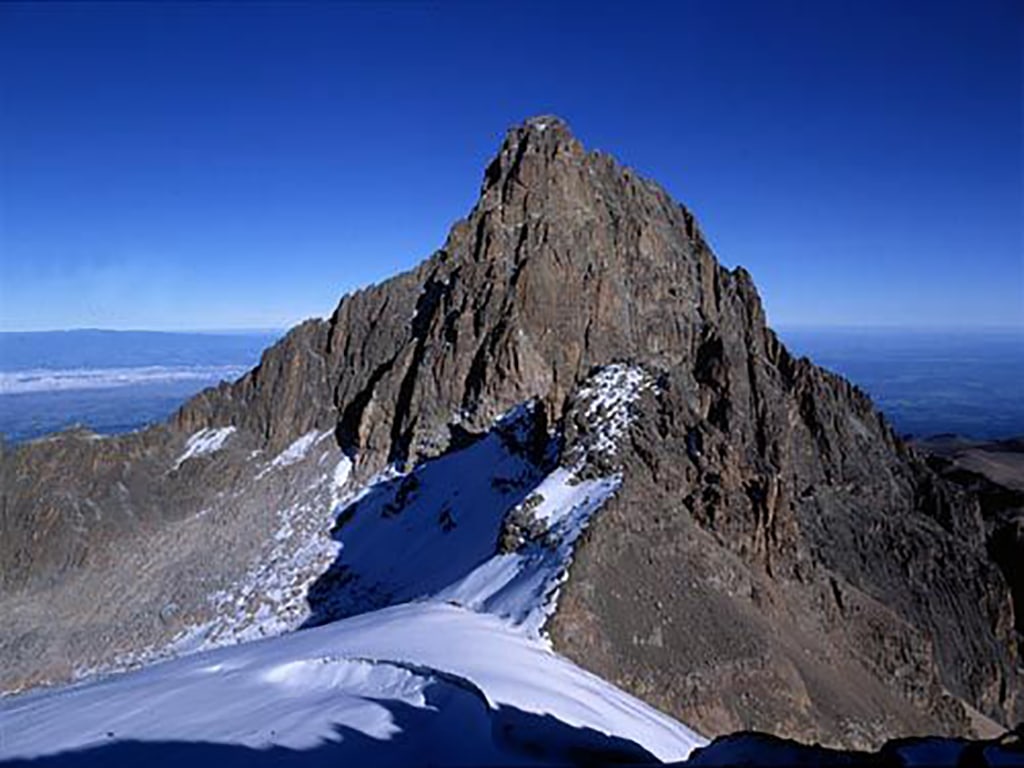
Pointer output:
x,y
404,421
347,430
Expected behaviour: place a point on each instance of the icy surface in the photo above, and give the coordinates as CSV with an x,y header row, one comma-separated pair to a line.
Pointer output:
x,y
297,451
342,472
409,684
203,442
410,536
522,585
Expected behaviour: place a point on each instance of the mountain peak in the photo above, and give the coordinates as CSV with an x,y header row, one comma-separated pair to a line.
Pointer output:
x,y
542,123
552,125
531,146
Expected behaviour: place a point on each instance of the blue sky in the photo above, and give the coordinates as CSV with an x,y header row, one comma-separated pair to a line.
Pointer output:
x,y
208,166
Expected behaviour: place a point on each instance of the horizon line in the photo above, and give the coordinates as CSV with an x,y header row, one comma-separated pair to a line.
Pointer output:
x,y
782,327
230,331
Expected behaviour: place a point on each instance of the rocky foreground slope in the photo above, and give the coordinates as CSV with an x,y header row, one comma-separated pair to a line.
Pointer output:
x,y
773,556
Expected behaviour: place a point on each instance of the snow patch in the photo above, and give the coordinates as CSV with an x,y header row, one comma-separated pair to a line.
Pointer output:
x,y
522,585
342,472
408,536
610,395
425,683
204,442
297,450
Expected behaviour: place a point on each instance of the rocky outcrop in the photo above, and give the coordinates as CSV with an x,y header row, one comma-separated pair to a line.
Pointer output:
x,y
776,557
736,592
993,472
760,749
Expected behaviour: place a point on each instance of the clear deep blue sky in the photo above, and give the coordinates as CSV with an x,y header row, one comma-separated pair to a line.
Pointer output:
x,y
210,166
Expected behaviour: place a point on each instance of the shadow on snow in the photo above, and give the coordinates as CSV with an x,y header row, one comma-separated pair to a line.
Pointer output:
x,y
411,536
455,728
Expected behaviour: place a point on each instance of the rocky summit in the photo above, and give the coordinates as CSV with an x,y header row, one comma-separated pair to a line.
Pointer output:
x,y
750,546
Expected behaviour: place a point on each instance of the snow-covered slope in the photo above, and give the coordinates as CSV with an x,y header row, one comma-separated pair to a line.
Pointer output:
x,y
425,636
425,683
491,526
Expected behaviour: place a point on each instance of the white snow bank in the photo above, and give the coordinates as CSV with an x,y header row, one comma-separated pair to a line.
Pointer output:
x,y
609,395
408,684
203,442
523,585
342,472
297,450
410,536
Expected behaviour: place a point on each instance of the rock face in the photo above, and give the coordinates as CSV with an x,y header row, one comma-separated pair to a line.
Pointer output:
x,y
776,557
994,473
763,749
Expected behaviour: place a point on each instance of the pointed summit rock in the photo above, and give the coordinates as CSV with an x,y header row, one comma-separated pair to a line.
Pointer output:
x,y
775,558
528,154
566,262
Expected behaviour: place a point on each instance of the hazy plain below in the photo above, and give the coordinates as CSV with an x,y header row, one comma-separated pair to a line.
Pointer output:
x,y
965,382
112,381
927,382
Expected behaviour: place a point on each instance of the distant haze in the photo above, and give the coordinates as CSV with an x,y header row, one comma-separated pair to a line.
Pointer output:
x,y
112,381
928,382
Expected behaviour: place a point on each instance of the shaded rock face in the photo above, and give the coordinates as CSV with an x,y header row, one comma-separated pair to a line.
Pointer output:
x,y
751,748
736,592
775,559
994,473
